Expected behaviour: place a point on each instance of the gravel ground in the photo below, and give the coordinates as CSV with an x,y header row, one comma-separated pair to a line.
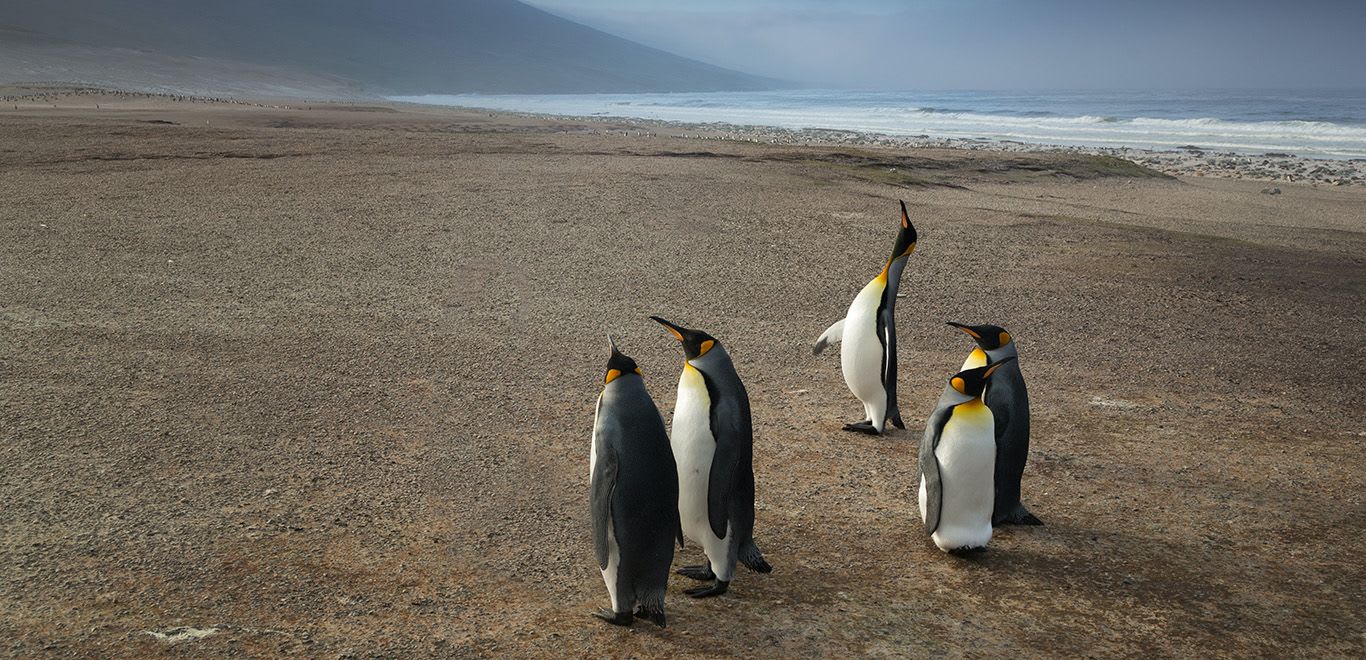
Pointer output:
x,y
321,381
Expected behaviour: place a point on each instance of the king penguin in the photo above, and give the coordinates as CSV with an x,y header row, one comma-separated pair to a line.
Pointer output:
x,y
713,446
634,495
1009,404
868,334
957,462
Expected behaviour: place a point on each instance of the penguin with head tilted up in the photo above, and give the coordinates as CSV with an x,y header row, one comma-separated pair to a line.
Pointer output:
x,y
634,496
1009,404
868,336
713,446
958,462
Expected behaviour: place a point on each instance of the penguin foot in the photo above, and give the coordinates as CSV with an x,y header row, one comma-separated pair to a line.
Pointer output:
x,y
1017,516
707,592
968,550
700,572
863,427
656,617
896,421
615,618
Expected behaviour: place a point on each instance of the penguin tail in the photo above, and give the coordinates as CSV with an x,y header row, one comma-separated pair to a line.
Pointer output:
x,y
652,607
894,412
750,556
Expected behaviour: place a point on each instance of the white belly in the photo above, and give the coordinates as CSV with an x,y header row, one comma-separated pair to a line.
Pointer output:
x,y
861,350
694,446
967,465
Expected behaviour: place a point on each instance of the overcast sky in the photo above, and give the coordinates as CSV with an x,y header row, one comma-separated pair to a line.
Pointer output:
x,y
1003,44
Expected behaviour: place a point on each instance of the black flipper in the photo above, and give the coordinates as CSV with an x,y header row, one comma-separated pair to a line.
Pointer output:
x,y
604,483
887,325
929,467
730,425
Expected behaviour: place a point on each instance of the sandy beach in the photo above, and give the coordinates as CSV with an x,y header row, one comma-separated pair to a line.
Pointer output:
x,y
319,379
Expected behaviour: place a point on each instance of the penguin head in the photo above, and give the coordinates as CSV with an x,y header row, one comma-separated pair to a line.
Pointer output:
x,y
988,337
971,382
618,364
905,238
695,342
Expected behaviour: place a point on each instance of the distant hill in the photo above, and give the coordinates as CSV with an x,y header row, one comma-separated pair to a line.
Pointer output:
x,y
384,46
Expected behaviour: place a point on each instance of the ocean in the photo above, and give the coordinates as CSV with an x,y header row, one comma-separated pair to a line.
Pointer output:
x,y
1312,123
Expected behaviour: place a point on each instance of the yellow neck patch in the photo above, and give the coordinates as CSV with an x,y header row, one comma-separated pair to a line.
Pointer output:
x,y
977,358
613,374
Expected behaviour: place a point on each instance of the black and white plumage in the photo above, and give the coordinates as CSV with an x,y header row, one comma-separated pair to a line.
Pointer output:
x,y
868,337
1008,400
634,496
957,463
712,440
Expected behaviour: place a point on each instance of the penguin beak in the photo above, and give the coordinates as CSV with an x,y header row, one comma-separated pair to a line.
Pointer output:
x,y
992,369
676,330
971,333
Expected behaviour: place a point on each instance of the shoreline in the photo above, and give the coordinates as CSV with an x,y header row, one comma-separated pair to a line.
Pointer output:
x,y
1271,167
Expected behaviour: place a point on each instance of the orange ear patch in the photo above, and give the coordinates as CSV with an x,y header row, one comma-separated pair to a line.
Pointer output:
x,y
1005,337
958,384
612,375
706,346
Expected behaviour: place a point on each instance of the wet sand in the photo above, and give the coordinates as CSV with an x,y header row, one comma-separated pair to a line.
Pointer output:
x,y
320,379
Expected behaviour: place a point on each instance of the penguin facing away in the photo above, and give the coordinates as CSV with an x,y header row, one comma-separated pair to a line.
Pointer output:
x,y
713,444
1009,403
868,337
957,464
634,496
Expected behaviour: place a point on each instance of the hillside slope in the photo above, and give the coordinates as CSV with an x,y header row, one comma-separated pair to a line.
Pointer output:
x,y
398,47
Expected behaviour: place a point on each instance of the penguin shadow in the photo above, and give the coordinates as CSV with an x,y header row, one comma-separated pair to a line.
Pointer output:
x,y
1103,563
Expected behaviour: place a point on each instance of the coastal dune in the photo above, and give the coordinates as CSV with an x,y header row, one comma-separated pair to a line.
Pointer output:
x,y
320,379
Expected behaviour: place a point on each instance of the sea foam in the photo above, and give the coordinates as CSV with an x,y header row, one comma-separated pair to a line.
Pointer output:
x,y
1108,119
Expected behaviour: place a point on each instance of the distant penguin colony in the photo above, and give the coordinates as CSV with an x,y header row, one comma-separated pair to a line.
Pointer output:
x,y
650,489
